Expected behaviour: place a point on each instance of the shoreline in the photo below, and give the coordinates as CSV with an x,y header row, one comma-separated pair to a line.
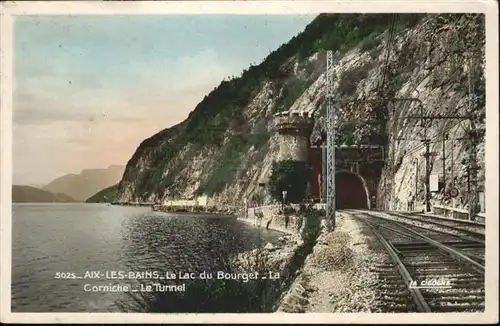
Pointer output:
x,y
268,217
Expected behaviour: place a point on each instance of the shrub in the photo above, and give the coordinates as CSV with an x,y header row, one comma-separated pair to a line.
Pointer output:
x,y
350,78
374,53
290,176
224,170
312,226
291,91
345,134
260,134
370,42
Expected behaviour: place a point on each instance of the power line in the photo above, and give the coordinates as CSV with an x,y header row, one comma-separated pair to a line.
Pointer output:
x,y
433,139
424,120
473,135
392,28
428,154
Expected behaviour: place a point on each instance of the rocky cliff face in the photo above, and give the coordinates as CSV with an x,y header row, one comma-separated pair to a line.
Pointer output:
x,y
227,145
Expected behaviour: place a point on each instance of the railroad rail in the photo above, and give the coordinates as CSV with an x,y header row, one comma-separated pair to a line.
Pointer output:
x,y
426,270
447,219
453,229
474,230
440,220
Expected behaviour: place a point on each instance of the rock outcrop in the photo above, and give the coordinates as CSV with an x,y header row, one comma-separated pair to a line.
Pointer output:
x,y
226,146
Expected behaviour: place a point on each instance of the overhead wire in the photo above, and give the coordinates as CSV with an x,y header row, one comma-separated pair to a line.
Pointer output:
x,y
381,90
441,133
388,46
385,66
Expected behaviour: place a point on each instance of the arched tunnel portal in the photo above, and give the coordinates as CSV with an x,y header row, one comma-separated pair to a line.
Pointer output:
x,y
351,191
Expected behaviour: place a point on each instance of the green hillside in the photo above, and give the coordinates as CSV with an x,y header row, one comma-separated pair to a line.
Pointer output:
x,y
106,195
27,194
223,108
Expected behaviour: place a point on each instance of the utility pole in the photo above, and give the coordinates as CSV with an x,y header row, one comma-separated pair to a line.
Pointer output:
x,y
473,138
453,167
473,193
416,180
330,144
392,205
323,173
427,162
427,188
444,160
472,154
427,175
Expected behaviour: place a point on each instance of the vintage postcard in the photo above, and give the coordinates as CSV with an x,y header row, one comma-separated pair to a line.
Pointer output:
x,y
249,162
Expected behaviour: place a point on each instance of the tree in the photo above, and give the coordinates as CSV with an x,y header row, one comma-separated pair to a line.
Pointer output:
x,y
290,176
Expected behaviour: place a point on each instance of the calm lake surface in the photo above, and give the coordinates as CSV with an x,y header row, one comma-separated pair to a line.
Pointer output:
x,y
76,238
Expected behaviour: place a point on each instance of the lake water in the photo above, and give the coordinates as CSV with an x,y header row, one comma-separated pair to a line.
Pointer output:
x,y
76,238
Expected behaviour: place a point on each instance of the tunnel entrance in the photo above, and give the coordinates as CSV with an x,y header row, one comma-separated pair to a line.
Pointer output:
x,y
350,191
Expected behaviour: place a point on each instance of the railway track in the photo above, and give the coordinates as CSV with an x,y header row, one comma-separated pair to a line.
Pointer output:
x,y
470,242
426,270
448,229
476,230
447,219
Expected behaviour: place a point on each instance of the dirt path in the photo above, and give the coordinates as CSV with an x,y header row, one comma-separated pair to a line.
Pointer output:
x,y
336,276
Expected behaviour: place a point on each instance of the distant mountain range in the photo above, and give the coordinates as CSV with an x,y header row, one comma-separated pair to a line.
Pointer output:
x,y
87,183
27,194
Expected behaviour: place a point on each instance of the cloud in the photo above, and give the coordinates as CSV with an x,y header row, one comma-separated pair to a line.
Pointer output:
x,y
85,96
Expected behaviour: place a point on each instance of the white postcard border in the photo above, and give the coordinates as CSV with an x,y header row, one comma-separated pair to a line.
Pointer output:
x,y
11,9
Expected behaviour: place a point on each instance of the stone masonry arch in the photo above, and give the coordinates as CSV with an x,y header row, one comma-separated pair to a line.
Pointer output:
x,y
351,191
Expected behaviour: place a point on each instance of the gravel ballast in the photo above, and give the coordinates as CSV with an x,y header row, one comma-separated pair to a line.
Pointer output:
x,y
336,276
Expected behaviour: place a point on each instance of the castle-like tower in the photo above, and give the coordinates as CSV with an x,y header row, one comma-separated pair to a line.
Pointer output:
x,y
294,130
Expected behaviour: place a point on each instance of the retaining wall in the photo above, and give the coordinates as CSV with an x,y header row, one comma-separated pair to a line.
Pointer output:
x,y
269,217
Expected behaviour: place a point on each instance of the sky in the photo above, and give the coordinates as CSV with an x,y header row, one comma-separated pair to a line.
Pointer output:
x,y
89,89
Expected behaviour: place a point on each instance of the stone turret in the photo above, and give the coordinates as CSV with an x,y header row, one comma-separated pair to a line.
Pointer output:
x,y
294,130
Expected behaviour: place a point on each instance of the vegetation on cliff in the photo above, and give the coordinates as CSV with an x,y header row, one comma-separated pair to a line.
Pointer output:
x,y
222,109
107,195
290,176
225,140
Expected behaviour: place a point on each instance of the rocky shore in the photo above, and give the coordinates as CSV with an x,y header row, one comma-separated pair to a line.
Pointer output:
x,y
286,257
279,262
335,275
151,204
215,210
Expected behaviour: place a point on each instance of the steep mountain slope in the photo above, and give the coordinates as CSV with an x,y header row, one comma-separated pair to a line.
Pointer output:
x,y
27,194
87,183
226,146
107,195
